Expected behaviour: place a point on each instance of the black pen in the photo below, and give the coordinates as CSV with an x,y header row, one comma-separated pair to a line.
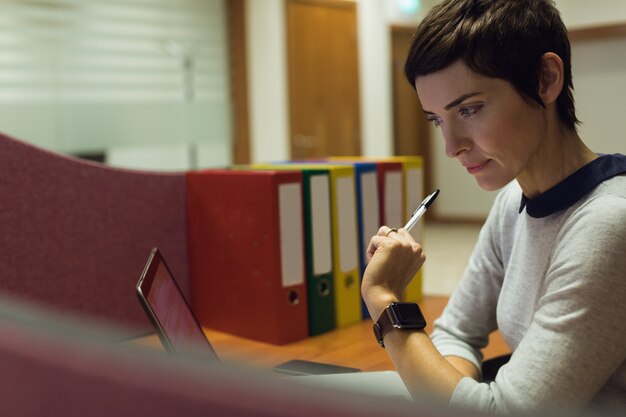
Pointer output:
x,y
421,209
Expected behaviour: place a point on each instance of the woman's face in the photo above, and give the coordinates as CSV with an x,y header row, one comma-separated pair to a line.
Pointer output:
x,y
487,125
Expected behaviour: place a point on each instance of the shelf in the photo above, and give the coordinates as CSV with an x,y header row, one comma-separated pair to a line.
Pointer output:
x,y
607,31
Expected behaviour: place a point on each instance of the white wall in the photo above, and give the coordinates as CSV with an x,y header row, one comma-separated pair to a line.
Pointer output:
x,y
267,80
599,68
580,13
374,40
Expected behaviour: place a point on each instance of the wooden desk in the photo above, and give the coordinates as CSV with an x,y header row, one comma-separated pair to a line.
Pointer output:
x,y
352,345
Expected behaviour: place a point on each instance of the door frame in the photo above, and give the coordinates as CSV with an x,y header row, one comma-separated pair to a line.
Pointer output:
x,y
240,147
401,144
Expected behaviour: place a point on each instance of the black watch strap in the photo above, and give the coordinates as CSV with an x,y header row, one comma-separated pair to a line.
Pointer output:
x,y
383,326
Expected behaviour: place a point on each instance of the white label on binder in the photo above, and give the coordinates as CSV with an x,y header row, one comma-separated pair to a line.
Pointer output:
x,y
370,210
291,236
415,194
394,212
346,218
320,225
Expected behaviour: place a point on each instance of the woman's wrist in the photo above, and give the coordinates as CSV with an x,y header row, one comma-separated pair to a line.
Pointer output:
x,y
377,303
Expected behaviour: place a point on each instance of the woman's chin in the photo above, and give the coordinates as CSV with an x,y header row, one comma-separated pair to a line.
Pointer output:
x,y
491,184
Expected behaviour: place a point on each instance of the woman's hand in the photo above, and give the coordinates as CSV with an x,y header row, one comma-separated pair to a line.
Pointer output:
x,y
393,259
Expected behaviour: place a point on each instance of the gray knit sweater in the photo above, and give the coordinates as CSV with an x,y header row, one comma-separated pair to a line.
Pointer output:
x,y
551,276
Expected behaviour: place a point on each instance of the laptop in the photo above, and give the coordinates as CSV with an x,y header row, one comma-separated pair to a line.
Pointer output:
x,y
181,334
170,313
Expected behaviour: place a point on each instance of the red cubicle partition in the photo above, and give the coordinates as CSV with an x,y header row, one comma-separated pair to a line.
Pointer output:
x,y
75,234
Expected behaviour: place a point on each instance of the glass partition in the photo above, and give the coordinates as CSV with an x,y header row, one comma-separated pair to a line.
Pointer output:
x,y
96,77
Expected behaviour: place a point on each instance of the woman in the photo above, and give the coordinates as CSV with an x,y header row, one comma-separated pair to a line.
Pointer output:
x,y
549,268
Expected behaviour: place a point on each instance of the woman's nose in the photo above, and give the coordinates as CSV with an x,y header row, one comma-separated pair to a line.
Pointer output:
x,y
456,140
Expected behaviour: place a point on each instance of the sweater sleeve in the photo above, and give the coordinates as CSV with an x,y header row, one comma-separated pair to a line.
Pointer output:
x,y
470,316
575,343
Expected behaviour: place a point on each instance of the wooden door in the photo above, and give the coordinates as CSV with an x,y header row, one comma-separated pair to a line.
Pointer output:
x,y
323,78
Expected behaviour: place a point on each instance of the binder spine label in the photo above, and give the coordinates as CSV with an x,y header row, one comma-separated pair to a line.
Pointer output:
x,y
414,190
370,211
291,234
320,225
415,194
346,218
394,211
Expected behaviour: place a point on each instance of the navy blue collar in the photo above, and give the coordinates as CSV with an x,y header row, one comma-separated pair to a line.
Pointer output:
x,y
566,193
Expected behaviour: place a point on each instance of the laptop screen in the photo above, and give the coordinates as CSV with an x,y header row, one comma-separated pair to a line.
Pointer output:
x,y
169,311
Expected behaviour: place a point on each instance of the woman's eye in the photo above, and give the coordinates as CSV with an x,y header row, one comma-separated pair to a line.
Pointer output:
x,y
466,112
434,120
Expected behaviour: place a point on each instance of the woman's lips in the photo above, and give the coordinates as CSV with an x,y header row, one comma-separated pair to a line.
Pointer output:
x,y
476,168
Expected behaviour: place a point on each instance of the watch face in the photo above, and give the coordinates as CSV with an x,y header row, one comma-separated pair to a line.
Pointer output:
x,y
408,314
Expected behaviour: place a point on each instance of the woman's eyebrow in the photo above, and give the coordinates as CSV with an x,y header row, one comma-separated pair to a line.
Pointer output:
x,y
460,100
457,101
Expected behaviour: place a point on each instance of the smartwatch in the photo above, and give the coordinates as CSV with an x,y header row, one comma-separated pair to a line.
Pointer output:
x,y
405,316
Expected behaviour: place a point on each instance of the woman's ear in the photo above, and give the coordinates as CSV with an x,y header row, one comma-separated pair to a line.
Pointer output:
x,y
550,77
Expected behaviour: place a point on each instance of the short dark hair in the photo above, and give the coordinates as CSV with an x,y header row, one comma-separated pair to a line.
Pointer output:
x,y
496,38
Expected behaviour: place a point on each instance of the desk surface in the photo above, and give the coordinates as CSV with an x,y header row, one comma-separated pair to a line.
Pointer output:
x,y
352,345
